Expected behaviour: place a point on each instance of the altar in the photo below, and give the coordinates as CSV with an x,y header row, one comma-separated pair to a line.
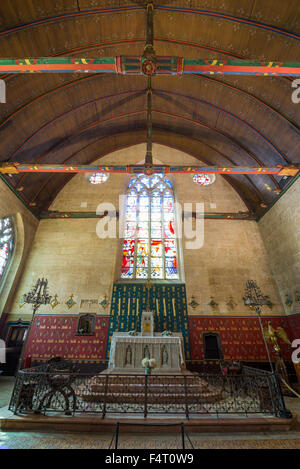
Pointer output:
x,y
127,350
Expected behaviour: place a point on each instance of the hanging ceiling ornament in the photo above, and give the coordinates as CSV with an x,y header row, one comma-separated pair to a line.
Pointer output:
x,y
149,57
204,179
149,69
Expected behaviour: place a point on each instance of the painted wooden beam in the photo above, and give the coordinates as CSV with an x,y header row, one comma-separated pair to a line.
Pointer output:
x,y
46,215
16,168
159,65
240,67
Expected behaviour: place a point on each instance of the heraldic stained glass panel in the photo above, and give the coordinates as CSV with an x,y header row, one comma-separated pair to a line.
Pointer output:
x,y
6,244
149,245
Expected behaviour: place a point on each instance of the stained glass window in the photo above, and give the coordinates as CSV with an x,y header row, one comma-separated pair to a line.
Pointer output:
x,y
6,244
98,178
150,245
204,179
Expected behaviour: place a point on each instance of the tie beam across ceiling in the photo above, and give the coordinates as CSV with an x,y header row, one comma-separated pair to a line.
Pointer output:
x,y
16,168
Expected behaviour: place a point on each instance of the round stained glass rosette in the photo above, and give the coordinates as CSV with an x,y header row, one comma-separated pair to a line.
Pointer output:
x,y
204,179
98,178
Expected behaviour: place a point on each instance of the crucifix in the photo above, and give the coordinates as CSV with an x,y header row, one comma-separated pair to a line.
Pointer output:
x,y
148,286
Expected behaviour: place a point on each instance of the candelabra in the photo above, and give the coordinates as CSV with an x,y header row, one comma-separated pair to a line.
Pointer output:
x,y
37,296
255,299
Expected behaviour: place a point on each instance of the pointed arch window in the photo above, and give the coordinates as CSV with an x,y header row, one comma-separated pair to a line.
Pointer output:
x,y
150,245
7,243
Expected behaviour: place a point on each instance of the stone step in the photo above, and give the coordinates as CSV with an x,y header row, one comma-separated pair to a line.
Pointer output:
x,y
135,388
152,398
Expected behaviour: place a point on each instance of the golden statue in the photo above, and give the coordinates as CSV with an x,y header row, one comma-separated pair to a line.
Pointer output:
x,y
272,335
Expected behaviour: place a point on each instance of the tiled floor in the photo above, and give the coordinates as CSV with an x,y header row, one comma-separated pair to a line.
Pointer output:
x,y
13,440
6,387
68,440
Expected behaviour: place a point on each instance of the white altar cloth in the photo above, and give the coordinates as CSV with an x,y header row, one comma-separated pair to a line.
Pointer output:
x,y
127,351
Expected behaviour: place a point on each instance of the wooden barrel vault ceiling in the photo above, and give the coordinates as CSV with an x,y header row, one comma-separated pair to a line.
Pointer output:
x,y
221,120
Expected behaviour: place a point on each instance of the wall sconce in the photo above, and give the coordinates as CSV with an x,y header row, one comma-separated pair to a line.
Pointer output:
x,y
104,303
54,302
288,301
212,303
193,303
231,304
22,301
70,302
269,302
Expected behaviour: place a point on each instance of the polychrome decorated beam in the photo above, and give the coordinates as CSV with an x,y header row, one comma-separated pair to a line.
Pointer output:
x,y
205,215
158,65
240,67
16,168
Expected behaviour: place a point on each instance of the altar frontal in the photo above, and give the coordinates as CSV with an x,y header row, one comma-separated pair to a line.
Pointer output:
x,y
128,349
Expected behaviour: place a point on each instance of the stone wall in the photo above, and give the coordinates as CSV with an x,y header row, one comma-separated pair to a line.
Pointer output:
x,y
280,231
76,261
232,253
26,225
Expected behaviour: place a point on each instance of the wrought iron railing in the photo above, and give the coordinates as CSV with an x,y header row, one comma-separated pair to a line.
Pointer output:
x,y
60,387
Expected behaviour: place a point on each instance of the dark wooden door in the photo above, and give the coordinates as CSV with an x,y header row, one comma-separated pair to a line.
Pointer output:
x,y
212,348
14,344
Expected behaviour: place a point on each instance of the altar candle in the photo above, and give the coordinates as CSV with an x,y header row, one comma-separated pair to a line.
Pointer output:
x,y
165,314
